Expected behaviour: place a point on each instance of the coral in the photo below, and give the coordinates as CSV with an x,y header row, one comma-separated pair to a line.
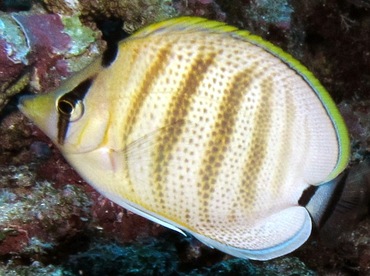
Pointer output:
x,y
41,50
160,256
332,39
80,35
356,114
205,8
13,51
35,213
270,19
34,270
349,256
134,13
149,258
15,138
287,266
119,223
267,12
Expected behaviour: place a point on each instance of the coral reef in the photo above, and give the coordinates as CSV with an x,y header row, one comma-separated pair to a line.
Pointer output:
x,y
34,214
356,114
136,13
52,223
153,257
13,52
204,8
335,45
42,49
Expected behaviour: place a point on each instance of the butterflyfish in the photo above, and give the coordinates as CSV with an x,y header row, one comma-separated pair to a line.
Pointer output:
x,y
202,128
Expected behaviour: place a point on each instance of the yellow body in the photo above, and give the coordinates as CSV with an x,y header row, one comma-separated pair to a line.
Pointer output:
x,y
205,129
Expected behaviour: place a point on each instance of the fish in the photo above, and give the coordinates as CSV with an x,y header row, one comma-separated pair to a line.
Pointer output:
x,y
203,128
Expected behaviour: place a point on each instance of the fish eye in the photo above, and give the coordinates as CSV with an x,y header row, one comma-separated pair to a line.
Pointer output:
x,y
65,107
73,109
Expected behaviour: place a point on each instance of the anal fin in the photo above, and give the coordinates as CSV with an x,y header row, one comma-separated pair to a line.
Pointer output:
x,y
279,234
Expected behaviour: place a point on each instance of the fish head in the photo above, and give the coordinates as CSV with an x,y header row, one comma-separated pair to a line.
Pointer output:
x,y
64,114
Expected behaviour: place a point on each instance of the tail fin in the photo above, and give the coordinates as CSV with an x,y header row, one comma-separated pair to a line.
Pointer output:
x,y
339,205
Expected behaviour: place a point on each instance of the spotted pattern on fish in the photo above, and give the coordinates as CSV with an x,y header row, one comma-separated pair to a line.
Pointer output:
x,y
160,61
175,120
151,75
222,133
177,124
206,129
176,116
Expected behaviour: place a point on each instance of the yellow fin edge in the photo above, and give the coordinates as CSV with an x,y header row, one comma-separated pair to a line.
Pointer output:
x,y
184,24
188,24
321,92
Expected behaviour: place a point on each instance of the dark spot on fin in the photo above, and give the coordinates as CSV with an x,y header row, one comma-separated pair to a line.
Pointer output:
x,y
112,34
320,200
307,195
352,205
66,105
333,200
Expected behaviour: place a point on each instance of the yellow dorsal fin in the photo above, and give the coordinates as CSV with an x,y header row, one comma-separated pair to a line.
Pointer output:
x,y
184,24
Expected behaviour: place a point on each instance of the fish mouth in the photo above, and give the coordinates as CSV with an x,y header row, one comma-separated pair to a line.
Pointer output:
x,y
35,106
25,105
40,109
23,101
